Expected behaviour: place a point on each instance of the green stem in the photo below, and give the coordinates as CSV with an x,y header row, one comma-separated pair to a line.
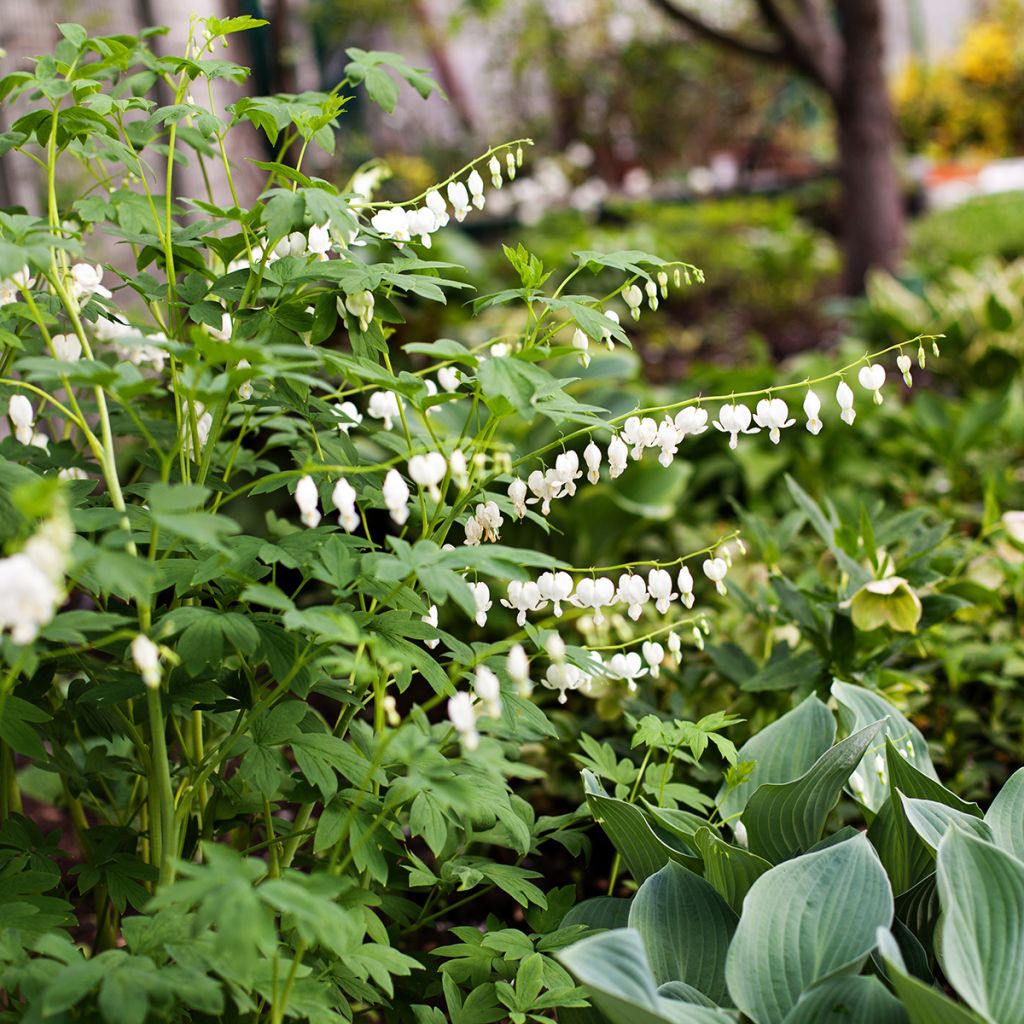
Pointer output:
x,y
162,821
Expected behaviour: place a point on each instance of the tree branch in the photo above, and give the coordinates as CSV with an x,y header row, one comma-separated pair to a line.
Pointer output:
x,y
809,42
747,47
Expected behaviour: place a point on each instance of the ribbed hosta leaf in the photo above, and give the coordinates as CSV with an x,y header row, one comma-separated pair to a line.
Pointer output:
x,y
932,820
781,751
924,1003
686,928
785,819
857,708
804,921
982,930
1006,815
731,870
848,1000
614,968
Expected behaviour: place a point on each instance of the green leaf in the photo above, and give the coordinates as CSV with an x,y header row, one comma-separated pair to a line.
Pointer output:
x,y
857,1000
17,718
643,850
905,856
686,928
599,912
1006,815
924,1003
784,819
731,870
782,751
859,706
375,67
932,820
804,921
614,968
982,892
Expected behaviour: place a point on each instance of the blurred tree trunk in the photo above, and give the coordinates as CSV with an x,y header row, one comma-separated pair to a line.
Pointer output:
x,y
872,198
838,45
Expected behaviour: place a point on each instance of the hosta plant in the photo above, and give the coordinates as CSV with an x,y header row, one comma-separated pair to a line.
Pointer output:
x,y
912,912
276,672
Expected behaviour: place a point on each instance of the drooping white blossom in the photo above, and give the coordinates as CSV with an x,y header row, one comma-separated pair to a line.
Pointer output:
x,y
476,188
903,364
633,297
482,599
632,592
361,305
458,196
318,241
384,405
459,468
488,690
462,715
654,655
23,418
545,487
344,498
595,594
67,347
87,280
348,416
428,470
436,205
685,581
308,498
715,569
494,168
567,472
626,666
32,580
517,491
245,388
812,409
146,656
395,492
734,420
872,378
773,415
691,421
618,456
659,586
844,396
581,343
523,598
640,433
449,378
555,587
517,664
430,619
667,440
592,457
392,223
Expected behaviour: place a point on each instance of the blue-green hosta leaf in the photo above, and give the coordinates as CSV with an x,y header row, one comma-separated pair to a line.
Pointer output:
x,y
846,1000
686,928
599,912
804,921
906,857
730,869
859,706
923,1003
784,819
932,820
614,968
782,751
982,929
644,850
1006,815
